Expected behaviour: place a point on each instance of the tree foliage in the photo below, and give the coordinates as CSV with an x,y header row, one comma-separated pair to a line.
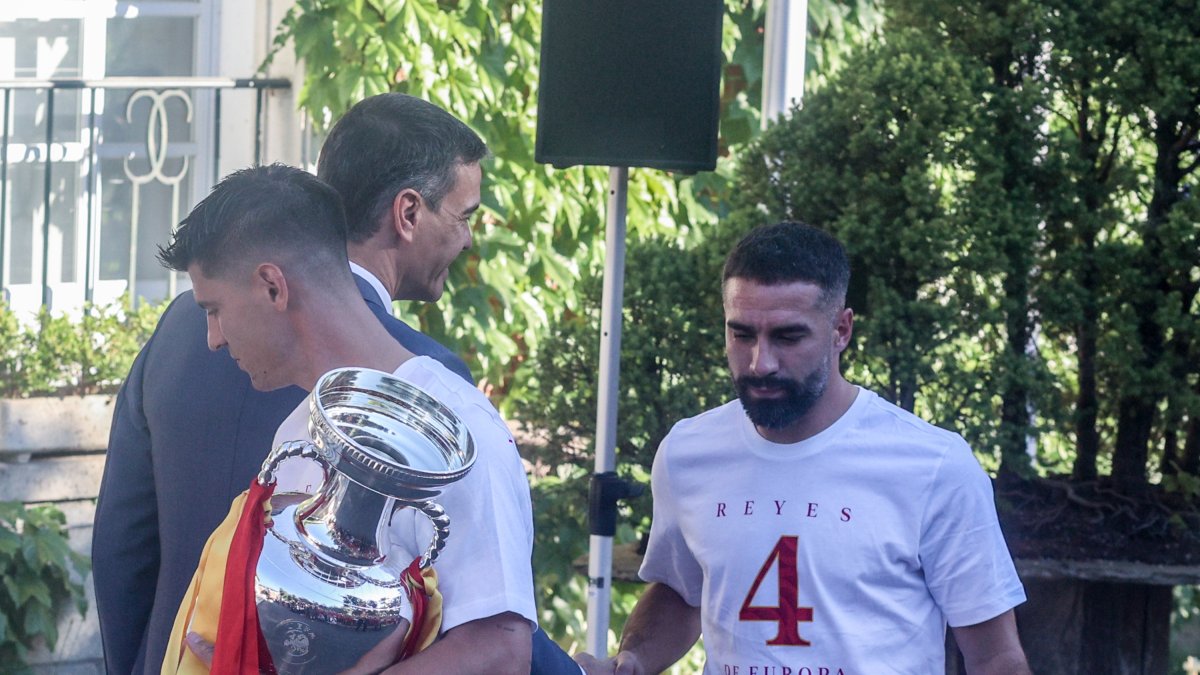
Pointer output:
x,y
1014,180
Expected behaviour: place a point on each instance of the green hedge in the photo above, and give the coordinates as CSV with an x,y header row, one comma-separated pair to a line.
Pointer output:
x,y
58,354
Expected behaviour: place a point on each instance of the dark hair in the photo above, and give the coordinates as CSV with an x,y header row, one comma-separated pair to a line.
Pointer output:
x,y
788,252
277,212
392,142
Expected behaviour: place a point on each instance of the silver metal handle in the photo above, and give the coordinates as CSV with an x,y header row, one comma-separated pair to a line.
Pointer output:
x,y
287,450
441,530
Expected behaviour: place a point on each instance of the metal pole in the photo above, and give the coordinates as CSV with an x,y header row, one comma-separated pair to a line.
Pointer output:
x,y
4,193
783,57
89,284
258,127
600,547
46,201
216,160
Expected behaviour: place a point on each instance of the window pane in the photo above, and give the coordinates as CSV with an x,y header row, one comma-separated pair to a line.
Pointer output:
x,y
157,207
42,50
26,184
151,45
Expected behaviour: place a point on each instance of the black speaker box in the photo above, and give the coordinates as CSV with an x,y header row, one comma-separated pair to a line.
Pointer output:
x,y
630,83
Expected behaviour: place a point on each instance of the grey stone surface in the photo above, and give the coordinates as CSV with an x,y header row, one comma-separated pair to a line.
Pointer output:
x,y
57,479
52,424
75,430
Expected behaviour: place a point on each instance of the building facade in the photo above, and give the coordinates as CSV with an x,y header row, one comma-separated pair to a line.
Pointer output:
x,y
115,118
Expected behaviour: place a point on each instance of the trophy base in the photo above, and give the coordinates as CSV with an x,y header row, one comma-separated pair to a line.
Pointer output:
x,y
318,615
302,645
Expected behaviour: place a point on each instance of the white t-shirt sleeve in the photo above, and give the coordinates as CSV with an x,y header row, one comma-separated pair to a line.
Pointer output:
x,y
668,558
485,568
967,565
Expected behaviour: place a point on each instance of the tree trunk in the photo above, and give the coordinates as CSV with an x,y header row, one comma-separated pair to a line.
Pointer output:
x,y
1191,447
1138,403
1087,438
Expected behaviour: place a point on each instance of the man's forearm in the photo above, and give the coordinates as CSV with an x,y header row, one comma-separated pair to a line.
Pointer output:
x,y
992,647
661,629
499,644
1009,663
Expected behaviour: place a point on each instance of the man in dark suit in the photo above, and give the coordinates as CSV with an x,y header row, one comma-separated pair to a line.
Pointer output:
x,y
189,432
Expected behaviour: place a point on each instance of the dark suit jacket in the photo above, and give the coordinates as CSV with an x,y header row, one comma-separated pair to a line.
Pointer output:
x,y
188,434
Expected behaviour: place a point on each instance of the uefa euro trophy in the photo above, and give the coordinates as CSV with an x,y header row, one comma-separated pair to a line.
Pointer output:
x,y
325,589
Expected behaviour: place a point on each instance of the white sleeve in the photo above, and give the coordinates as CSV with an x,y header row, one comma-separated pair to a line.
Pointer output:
x,y
668,558
485,568
967,566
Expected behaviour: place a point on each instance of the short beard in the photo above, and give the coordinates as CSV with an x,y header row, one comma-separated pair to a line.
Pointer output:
x,y
779,413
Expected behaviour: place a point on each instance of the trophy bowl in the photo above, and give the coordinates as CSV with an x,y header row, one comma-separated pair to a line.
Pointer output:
x,y
327,584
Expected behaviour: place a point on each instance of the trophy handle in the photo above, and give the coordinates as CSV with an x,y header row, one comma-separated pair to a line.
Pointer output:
x,y
287,450
441,530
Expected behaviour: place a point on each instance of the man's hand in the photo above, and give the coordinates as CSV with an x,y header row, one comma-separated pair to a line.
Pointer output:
x,y
203,649
382,655
624,663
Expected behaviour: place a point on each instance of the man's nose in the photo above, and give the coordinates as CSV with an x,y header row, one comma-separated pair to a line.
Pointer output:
x,y
216,339
763,360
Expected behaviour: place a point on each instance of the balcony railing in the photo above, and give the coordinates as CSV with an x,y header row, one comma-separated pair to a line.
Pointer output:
x,y
96,173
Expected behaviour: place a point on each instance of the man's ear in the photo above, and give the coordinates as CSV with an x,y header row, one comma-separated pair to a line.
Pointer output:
x,y
843,329
272,282
406,212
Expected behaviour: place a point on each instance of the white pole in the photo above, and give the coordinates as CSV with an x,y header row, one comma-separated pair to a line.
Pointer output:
x,y
783,57
600,547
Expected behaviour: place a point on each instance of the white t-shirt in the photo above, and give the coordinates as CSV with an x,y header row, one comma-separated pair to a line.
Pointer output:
x,y
485,568
880,529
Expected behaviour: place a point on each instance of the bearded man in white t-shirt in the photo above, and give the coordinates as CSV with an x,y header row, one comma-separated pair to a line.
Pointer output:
x,y
810,527
266,253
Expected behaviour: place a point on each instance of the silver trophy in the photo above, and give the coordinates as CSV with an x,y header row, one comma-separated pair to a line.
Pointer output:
x,y
326,594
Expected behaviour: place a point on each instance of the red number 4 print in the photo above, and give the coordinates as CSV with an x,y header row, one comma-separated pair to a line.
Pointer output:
x,y
788,613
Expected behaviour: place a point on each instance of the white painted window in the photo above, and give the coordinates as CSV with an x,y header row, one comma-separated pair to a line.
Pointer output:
x,y
125,163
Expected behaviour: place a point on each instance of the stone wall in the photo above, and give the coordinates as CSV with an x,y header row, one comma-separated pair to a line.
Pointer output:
x,y
52,451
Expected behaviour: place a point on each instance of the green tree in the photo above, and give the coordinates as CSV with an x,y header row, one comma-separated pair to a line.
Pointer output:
x,y
877,157
1087,169
1158,87
1014,182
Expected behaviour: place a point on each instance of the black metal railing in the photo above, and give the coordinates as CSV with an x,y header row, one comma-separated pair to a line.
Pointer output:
x,y
91,137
